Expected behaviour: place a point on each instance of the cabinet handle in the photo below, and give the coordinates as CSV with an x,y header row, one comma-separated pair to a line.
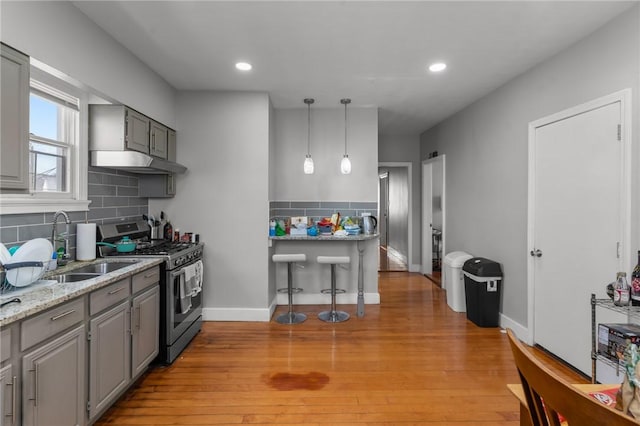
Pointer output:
x,y
138,318
12,414
151,275
153,141
117,290
35,386
64,314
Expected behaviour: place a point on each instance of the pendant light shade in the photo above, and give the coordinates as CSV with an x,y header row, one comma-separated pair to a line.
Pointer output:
x,y
308,161
345,164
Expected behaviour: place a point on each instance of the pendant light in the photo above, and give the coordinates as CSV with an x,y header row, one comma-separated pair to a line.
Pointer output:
x,y
345,164
308,161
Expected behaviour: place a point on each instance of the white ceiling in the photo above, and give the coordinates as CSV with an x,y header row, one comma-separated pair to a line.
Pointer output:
x,y
374,52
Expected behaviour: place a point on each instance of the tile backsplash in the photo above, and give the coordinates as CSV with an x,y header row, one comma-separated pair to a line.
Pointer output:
x,y
319,209
114,197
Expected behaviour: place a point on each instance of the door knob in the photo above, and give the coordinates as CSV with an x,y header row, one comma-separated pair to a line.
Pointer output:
x,y
536,253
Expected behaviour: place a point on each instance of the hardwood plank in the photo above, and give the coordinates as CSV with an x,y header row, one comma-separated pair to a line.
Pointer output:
x,y
409,361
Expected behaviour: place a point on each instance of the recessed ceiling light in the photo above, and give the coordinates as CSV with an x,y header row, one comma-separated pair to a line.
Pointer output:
x,y
437,67
243,66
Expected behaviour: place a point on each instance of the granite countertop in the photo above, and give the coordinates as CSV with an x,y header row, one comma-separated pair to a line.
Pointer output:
x,y
44,294
360,237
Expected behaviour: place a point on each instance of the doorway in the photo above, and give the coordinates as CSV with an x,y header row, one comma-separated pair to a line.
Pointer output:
x,y
394,216
433,217
579,191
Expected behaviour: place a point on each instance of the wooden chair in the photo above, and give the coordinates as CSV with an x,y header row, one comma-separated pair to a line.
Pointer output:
x,y
578,408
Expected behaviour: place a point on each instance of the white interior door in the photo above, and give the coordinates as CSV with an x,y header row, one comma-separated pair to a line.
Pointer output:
x,y
577,203
427,219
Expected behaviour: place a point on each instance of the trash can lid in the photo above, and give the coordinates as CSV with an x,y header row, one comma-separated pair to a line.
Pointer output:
x,y
456,258
482,267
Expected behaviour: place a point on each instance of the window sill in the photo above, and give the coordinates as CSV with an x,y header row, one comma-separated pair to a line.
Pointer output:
x,y
35,205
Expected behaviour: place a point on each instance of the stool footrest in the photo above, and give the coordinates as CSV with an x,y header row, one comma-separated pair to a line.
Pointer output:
x,y
328,291
286,290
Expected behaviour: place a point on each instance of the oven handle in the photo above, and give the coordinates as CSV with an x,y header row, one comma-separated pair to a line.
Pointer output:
x,y
176,273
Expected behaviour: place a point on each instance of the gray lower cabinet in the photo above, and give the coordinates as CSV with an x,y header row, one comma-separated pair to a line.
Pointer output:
x,y
53,378
14,115
109,359
145,329
9,398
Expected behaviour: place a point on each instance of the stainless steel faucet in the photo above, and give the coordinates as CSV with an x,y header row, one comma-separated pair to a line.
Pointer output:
x,y
66,255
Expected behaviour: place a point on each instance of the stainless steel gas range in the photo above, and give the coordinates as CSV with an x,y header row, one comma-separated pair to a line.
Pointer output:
x,y
180,302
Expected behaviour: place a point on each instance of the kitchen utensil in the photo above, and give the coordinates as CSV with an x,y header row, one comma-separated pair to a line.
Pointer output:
x,y
14,300
369,224
125,245
29,262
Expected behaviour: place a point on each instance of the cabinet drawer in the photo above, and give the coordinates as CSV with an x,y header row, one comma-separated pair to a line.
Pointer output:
x,y
108,296
146,278
5,344
48,324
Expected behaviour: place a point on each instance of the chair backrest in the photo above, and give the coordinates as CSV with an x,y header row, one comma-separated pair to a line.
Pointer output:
x,y
541,384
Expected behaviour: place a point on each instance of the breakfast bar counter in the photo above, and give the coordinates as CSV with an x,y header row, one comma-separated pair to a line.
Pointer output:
x,y
360,243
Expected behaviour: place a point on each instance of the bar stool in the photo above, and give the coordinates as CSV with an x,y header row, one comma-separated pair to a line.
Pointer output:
x,y
290,317
333,315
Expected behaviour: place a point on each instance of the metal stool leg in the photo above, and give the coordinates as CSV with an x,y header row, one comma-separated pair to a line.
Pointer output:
x,y
333,315
290,317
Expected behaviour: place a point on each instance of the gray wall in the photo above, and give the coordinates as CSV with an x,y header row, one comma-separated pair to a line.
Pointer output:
x,y
406,148
223,139
327,149
486,148
61,36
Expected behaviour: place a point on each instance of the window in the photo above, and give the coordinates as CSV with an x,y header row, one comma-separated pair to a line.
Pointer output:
x,y
58,147
53,128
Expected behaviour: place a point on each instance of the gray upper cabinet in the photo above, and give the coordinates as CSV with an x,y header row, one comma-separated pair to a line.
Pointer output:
x,y
137,135
116,128
158,140
171,145
14,132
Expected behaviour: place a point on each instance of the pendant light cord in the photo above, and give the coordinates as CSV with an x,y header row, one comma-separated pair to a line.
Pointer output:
x,y
345,102
309,101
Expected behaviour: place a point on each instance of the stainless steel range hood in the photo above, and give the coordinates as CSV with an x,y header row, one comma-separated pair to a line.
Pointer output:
x,y
135,162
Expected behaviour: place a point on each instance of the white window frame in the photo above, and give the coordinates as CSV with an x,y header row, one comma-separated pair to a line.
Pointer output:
x,y
76,198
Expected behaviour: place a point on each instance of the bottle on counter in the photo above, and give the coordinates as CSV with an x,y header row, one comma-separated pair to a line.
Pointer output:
x,y
635,284
168,231
272,228
621,290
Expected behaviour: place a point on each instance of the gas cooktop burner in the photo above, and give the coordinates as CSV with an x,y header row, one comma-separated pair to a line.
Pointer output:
x,y
155,248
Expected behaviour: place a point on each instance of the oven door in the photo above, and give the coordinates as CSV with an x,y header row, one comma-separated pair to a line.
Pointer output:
x,y
179,315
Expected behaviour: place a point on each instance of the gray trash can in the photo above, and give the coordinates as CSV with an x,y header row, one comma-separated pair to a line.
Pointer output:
x,y
482,284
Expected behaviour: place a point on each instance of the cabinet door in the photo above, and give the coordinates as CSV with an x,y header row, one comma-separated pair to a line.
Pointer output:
x,y
158,141
8,397
171,145
109,357
137,131
145,329
14,116
53,378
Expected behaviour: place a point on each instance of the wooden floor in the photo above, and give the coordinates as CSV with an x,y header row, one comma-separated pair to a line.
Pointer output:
x,y
408,361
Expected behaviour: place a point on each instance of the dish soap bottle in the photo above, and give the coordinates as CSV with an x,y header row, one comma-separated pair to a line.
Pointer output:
x,y
621,290
635,284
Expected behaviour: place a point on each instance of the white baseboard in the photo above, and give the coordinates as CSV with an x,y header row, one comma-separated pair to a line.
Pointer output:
x,y
520,330
264,315
237,314
325,299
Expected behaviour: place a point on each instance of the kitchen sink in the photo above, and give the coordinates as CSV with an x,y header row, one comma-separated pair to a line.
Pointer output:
x,y
72,277
101,267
